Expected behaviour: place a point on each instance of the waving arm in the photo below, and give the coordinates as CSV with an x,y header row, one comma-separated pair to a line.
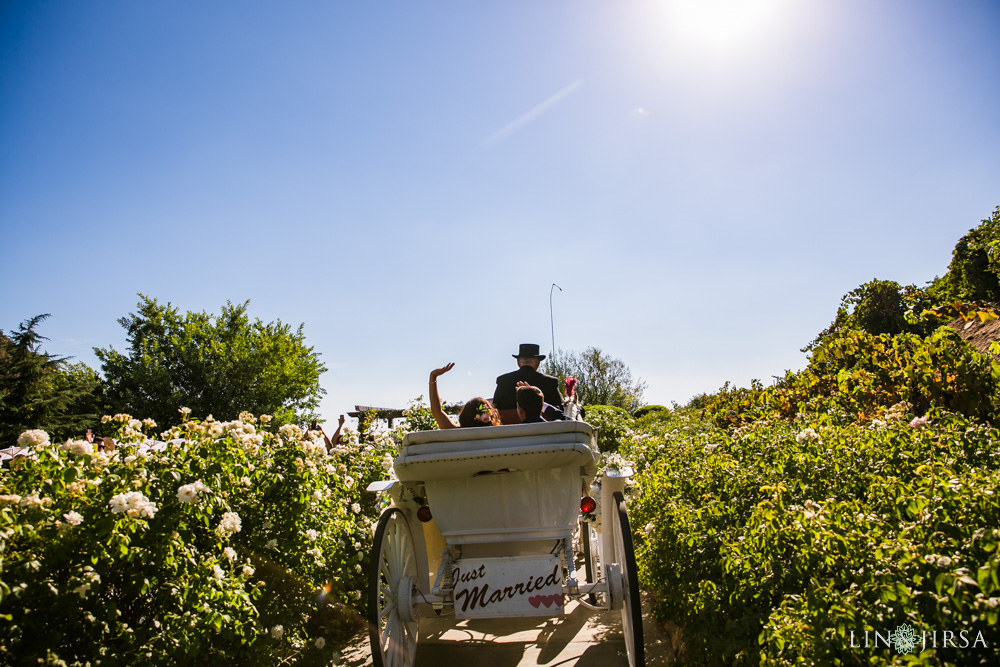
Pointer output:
x,y
440,417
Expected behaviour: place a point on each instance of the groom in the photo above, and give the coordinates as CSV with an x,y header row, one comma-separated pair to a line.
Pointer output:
x,y
528,359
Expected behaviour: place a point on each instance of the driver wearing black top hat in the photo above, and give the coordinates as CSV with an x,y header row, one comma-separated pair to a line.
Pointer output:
x,y
528,359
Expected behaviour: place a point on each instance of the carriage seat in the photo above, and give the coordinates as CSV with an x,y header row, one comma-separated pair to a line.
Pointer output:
x,y
462,452
502,483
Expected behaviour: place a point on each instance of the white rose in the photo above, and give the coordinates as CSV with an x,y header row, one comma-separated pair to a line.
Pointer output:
x,y
186,494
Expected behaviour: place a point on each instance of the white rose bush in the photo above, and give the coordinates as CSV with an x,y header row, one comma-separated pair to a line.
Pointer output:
x,y
188,553
770,543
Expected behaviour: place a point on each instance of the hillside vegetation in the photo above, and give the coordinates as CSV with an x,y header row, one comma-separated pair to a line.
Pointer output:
x,y
789,524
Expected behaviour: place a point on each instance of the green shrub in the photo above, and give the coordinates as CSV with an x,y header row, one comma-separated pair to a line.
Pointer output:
x,y
772,545
225,548
638,413
856,376
612,423
974,271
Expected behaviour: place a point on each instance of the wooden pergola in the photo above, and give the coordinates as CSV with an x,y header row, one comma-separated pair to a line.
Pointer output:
x,y
387,414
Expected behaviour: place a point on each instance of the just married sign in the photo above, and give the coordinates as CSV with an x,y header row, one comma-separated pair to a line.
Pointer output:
x,y
505,587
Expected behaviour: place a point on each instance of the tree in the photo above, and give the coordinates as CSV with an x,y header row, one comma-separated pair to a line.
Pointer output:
x,y
878,307
974,272
39,390
213,364
601,379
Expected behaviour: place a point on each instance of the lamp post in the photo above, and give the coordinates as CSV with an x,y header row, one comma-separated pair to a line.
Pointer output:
x,y
551,320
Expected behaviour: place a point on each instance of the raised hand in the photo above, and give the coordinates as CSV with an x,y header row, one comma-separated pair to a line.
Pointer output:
x,y
441,371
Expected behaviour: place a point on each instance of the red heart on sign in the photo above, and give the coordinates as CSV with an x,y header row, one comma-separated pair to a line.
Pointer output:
x,y
535,600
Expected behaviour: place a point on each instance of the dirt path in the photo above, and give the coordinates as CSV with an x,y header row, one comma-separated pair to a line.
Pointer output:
x,y
582,638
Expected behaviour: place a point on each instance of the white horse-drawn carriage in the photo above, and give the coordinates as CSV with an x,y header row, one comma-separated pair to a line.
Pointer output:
x,y
481,524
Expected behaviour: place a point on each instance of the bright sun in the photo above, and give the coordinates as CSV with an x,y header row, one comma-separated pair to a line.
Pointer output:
x,y
723,24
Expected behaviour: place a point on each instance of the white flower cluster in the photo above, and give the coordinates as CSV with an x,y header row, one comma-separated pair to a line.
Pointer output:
x,y
189,493
898,411
311,535
131,428
133,503
390,440
229,524
78,447
243,432
101,458
34,438
290,432
32,501
314,445
89,578
615,461
317,555
940,561
73,518
919,422
807,434
811,509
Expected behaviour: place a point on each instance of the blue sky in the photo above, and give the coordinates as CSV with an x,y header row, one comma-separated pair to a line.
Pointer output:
x,y
704,180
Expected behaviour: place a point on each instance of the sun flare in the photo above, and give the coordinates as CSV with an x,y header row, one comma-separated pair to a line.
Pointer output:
x,y
723,24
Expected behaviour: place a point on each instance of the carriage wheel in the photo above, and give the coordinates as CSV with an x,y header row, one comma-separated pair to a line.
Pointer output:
x,y
392,628
632,607
588,540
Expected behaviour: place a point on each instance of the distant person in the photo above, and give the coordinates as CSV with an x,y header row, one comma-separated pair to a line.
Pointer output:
x,y
477,412
529,404
336,439
528,360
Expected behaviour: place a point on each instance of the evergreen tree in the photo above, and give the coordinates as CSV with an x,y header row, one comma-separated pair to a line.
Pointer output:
x,y
39,390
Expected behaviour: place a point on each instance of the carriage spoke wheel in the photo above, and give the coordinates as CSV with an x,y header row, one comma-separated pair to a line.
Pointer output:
x,y
391,628
632,607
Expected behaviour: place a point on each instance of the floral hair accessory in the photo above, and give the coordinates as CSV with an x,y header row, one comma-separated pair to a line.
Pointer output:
x,y
484,417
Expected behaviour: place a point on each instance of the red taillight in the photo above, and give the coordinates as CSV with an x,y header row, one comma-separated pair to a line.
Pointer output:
x,y
588,505
424,514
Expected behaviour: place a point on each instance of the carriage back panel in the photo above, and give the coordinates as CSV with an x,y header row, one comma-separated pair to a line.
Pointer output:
x,y
505,483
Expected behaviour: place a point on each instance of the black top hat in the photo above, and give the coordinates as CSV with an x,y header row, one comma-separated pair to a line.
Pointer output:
x,y
528,350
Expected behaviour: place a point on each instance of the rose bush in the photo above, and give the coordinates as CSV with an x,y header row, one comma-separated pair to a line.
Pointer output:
x,y
229,543
770,544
